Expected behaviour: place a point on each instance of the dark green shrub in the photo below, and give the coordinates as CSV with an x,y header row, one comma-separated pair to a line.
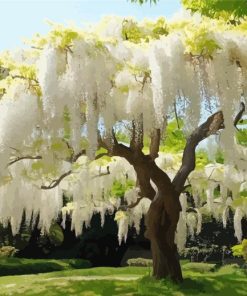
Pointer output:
x,y
78,263
17,266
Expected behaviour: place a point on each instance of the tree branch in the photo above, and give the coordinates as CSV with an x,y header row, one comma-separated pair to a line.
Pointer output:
x,y
25,78
176,114
136,142
73,157
24,157
56,182
79,154
132,205
155,144
214,123
240,114
101,155
210,127
103,174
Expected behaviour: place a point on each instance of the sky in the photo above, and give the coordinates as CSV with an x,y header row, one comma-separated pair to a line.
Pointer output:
x,y
20,19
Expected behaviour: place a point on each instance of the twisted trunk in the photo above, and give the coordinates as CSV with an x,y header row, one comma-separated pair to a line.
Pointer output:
x,y
161,232
163,214
161,221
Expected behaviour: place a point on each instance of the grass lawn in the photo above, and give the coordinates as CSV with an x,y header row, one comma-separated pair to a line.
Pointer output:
x,y
127,281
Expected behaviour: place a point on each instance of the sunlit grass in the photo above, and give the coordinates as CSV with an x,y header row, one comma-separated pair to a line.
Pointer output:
x,y
127,281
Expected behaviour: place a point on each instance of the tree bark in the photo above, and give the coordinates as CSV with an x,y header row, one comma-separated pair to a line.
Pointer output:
x,y
161,233
161,220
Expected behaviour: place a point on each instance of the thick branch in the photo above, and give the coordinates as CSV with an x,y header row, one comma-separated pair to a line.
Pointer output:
x,y
214,123
143,178
107,142
114,148
210,127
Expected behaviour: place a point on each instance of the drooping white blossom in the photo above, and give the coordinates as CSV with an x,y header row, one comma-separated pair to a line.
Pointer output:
x,y
101,79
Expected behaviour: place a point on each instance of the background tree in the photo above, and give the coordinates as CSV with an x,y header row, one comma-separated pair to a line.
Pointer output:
x,y
68,101
228,10
218,8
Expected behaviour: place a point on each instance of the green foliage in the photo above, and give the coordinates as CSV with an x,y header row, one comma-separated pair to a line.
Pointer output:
x,y
241,136
201,159
134,32
237,250
55,235
242,122
160,28
226,9
217,192
243,193
119,188
103,160
17,73
240,250
219,157
60,37
174,137
67,120
199,41
122,137
240,201
131,31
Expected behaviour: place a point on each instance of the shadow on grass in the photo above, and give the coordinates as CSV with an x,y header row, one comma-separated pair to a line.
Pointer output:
x,y
217,285
18,266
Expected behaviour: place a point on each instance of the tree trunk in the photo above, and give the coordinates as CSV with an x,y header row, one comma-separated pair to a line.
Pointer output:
x,y
161,228
163,214
161,220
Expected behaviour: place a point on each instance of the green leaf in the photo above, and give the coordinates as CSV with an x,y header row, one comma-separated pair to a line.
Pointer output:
x,y
56,235
119,188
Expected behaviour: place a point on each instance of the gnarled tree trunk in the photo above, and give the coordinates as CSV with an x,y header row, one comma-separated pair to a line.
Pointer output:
x,y
161,232
161,221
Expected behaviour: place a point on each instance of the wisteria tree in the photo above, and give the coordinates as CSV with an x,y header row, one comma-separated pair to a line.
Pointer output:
x,y
85,112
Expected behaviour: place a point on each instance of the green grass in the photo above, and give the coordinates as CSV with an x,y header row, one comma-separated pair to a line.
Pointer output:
x,y
226,281
18,266
14,266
